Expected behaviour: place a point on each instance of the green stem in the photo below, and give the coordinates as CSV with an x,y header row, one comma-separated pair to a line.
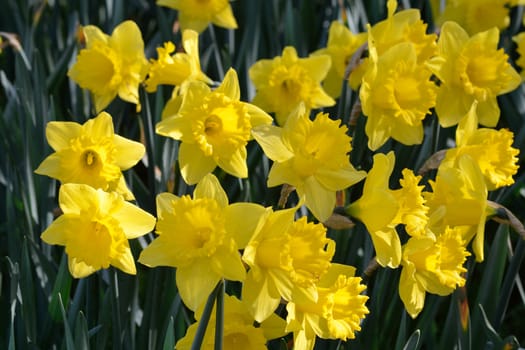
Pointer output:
x,y
205,318
219,319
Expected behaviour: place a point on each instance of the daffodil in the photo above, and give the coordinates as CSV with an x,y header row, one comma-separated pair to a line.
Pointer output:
x,y
491,149
471,68
177,68
478,15
214,128
111,65
520,49
285,258
404,26
396,95
95,227
431,264
283,82
198,14
201,236
459,199
90,154
377,208
336,314
342,45
239,330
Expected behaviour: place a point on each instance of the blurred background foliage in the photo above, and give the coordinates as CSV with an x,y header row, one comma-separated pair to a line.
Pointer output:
x,y
42,307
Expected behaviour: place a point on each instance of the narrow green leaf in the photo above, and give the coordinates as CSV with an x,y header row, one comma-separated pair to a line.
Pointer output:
x,y
219,318
205,318
27,289
413,341
61,287
81,333
70,344
169,339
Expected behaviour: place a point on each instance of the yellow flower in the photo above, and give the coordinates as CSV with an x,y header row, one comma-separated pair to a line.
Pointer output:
x,y
201,238
239,330
413,212
214,127
111,65
336,314
175,69
285,258
431,264
396,95
459,198
198,14
520,42
479,15
95,227
341,46
403,27
283,82
471,68
377,208
90,154
312,156
491,149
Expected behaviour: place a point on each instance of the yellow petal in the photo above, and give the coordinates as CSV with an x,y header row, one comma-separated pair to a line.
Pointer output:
x,y
75,198
158,253
257,116
125,262
225,18
100,126
164,203
210,187
193,163
230,85
196,282
93,34
79,269
127,40
318,199
134,221
282,173
451,105
387,246
242,219
174,127
127,152
58,134
235,164
411,293
317,66
228,265
59,230
488,112
196,24
452,39
269,137
340,179
261,295
51,166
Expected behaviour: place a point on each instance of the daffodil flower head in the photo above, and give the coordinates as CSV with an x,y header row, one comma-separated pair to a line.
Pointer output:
x,y
201,236
95,227
214,127
478,16
431,264
342,45
177,68
111,65
90,154
198,14
312,156
239,329
284,82
396,95
377,209
336,314
459,198
471,68
491,149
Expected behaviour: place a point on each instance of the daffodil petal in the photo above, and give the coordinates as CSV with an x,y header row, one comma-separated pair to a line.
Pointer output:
x,y
134,221
319,200
125,262
79,269
242,230
193,163
269,137
210,187
195,283
59,134
230,85
59,230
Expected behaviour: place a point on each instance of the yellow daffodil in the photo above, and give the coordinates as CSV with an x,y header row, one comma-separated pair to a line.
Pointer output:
x,y
283,82
200,236
459,198
336,314
478,15
285,258
312,156
520,49
175,69
214,127
491,149
413,212
239,330
90,154
471,68
402,27
95,227
396,95
198,14
342,45
377,208
431,264
111,65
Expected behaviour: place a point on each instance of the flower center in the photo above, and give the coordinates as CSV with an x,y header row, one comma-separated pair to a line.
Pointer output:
x,y
90,242
90,158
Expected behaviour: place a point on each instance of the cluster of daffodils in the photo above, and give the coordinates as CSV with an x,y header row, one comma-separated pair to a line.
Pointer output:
x,y
281,258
